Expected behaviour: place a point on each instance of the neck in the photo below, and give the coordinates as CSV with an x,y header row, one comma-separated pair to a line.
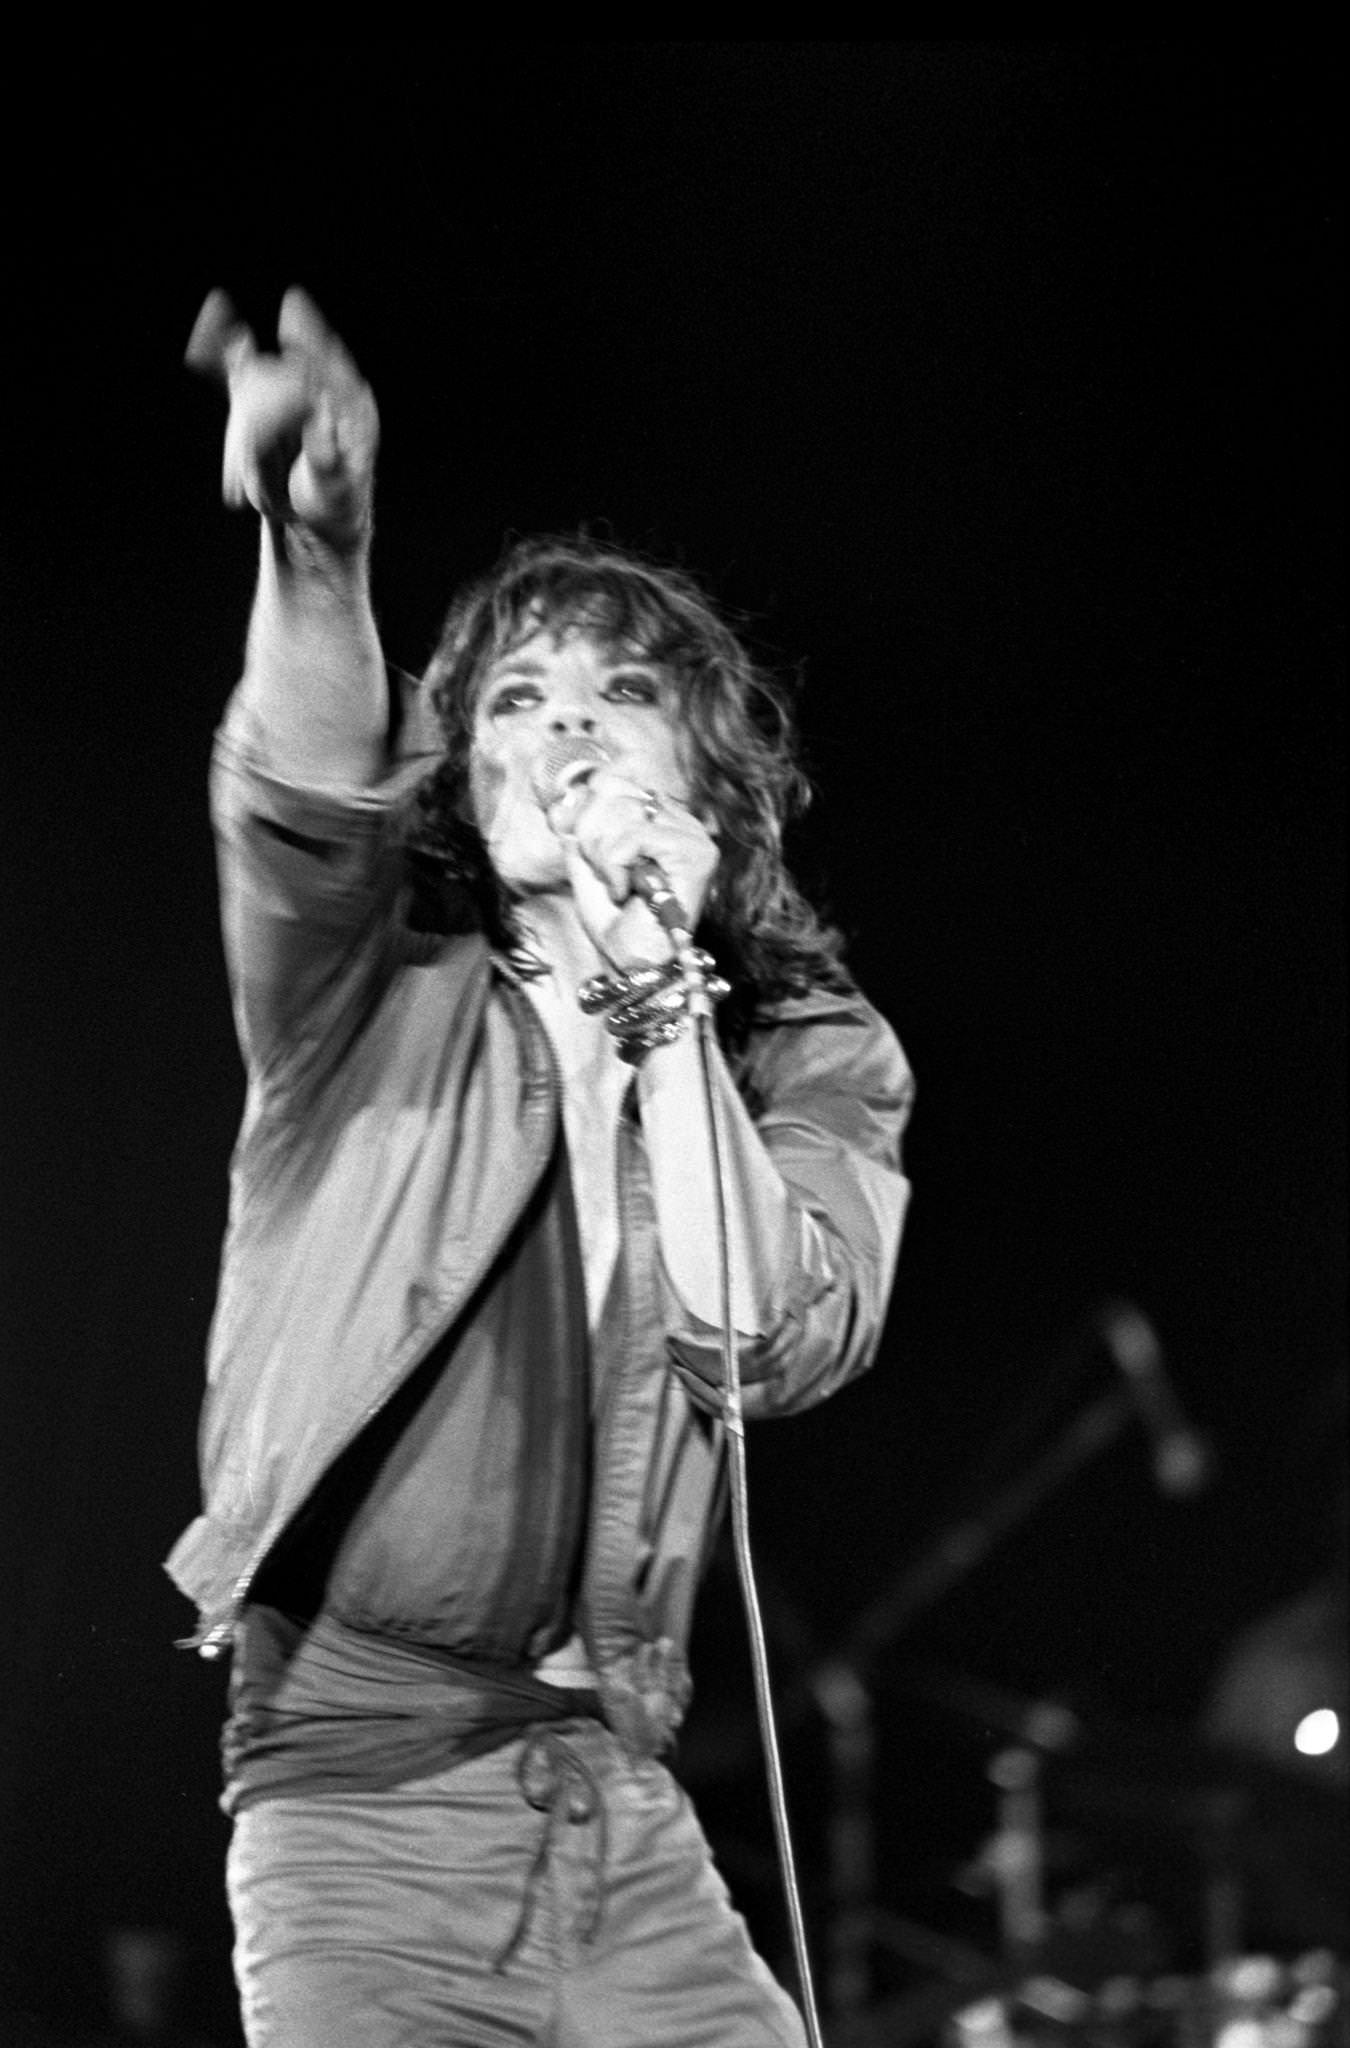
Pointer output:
x,y
549,925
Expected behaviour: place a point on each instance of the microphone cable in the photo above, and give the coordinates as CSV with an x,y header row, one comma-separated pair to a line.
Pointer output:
x,y
666,907
734,1423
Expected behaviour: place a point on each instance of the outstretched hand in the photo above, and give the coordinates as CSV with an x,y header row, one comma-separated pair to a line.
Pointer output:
x,y
303,427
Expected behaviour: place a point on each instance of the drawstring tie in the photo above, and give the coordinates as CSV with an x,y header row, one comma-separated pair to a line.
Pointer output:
x,y
555,1782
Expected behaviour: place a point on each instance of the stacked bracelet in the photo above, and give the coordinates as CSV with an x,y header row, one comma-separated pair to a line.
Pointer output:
x,y
648,1006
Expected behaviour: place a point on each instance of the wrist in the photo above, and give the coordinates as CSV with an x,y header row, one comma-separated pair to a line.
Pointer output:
x,y
650,1006
303,556
636,940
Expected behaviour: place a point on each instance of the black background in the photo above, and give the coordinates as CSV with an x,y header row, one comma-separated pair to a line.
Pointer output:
x,y
997,384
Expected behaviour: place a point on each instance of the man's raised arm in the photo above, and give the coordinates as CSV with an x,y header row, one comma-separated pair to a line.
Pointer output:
x,y
300,448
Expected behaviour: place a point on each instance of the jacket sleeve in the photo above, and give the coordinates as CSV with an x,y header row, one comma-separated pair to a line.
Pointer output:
x,y
310,886
829,1092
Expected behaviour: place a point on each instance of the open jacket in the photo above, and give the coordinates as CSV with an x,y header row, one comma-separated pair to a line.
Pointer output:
x,y
402,1105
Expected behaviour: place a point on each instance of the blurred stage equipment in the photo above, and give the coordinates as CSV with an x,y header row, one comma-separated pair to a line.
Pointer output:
x,y
1182,1463
1181,1455
1253,2001
1257,2001
1283,1690
1229,1828
1232,1825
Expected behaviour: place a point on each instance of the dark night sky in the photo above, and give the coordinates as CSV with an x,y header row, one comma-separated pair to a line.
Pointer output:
x,y
999,385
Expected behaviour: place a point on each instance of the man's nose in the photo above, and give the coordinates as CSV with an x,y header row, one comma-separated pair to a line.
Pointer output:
x,y
574,715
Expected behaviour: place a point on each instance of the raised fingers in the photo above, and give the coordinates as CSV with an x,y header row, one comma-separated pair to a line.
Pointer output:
x,y
301,327
220,342
303,428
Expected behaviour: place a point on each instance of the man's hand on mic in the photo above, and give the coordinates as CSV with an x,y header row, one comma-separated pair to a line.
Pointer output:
x,y
303,427
608,825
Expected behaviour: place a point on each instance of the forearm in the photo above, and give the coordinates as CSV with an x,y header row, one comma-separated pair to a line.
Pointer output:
x,y
760,1218
314,680
814,1123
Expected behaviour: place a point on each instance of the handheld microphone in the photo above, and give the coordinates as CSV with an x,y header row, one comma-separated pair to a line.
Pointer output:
x,y
1182,1461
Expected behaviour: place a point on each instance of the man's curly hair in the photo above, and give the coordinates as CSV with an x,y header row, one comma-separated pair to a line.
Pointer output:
x,y
736,724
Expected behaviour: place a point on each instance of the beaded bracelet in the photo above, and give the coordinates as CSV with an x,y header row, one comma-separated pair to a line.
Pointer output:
x,y
648,1006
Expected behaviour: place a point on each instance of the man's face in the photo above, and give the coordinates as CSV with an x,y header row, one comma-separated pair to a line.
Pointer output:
x,y
546,688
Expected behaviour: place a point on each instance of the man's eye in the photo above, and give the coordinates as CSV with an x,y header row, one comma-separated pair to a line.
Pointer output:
x,y
514,697
634,688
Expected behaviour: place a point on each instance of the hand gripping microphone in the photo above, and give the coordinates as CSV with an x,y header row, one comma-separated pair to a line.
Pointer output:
x,y
568,763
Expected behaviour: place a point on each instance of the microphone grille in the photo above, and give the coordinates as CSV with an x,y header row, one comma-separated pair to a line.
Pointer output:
x,y
562,762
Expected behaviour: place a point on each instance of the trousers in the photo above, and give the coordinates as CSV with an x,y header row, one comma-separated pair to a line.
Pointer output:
x,y
550,1894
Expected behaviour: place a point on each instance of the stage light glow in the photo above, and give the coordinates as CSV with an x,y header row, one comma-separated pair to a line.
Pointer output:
x,y
1318,1733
